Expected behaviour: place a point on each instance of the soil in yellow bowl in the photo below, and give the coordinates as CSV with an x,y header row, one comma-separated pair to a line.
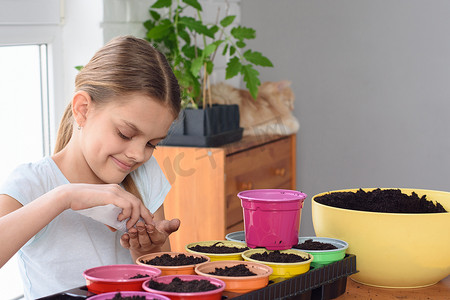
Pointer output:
x,y
393,250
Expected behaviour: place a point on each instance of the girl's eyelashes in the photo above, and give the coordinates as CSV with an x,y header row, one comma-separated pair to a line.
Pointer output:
x,y
150,145
121,135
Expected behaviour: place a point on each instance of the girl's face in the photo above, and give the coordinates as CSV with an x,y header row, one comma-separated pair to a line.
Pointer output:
x,y
120,136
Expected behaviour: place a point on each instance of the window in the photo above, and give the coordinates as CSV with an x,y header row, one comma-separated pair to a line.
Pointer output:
x,y
29,31
24,107
24,123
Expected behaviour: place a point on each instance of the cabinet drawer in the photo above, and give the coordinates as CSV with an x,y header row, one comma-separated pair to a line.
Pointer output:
x,y
267,166
236,227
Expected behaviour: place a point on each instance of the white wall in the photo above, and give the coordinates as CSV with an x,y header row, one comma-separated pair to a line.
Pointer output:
x,y
371,80
87,25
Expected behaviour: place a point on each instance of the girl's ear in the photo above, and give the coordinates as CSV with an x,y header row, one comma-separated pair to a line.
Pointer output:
x,y
81,103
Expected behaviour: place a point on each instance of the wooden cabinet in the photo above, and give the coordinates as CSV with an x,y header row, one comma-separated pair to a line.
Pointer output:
x,y
205,183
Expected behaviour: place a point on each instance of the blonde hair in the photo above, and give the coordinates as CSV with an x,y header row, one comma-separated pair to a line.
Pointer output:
x,y
124,65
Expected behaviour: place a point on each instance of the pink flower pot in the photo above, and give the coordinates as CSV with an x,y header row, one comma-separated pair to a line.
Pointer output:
x,y
272,217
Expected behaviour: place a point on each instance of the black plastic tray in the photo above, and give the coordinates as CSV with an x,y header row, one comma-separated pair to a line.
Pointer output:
x,y
324,283
203,141
327,282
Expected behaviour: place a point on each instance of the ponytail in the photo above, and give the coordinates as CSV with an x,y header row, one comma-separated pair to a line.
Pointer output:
x,y
65,129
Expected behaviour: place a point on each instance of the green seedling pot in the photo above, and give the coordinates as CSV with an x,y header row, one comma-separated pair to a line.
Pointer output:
x,y
325,257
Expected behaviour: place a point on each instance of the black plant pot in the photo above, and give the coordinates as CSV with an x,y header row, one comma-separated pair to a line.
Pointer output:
x,y
214,126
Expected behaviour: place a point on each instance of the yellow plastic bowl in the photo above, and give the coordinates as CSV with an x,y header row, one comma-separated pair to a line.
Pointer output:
x,y
282,271
218,256
392,250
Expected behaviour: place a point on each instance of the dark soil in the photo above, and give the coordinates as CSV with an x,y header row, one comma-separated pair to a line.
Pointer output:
x,y
139,276
118,296
177,260
180,286
235,271
218,248
309,244
387,201
276,256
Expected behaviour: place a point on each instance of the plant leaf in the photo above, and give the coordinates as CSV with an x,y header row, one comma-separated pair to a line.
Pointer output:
x,y
232,50
234,66
162,3
79,67
160,30
185,36
227,21
149,24
224,52
155,15
210,49
241,33
214,29
240,44
209,66
196,66
194,3
189,51
257,58
176,61
251,79
195,25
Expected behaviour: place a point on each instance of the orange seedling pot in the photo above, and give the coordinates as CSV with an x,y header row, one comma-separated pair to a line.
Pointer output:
x,y
172,270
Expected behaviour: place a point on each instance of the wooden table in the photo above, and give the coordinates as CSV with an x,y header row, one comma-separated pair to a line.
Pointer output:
x,y
438,291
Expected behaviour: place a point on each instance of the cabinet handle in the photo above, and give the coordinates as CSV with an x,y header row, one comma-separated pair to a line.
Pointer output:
x,y
280,171
246,186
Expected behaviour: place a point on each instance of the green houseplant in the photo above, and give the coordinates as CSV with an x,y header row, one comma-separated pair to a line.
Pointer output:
x,y
178,29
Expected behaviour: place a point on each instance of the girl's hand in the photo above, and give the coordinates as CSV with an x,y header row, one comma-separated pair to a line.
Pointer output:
x,y
81,196
146,238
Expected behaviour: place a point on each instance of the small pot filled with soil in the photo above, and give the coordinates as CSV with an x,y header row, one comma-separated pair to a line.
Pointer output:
x,y
285,263
324,250
129,295
180,287
218,249
396,225
124,277
239,276
173,263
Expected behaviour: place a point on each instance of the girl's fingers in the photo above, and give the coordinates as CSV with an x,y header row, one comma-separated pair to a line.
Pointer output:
x,y
155,235
125,241
134,239
160,233
144,239
173,226
131,209
146,214
169,226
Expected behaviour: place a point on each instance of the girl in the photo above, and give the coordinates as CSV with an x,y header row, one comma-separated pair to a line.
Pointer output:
x,y
125,100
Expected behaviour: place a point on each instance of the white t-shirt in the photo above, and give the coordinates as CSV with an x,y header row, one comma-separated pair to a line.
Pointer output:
x,y
56,257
